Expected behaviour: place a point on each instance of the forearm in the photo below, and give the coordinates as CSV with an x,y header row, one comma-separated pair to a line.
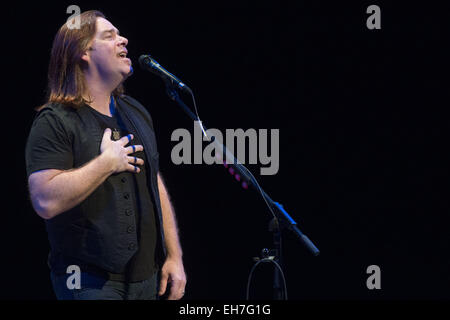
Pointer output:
x,y
172,241
69,188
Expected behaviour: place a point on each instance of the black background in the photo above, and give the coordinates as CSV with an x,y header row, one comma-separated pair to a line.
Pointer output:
x,y
363,141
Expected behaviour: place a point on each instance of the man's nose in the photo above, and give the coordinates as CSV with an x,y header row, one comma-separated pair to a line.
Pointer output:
x,y
123,41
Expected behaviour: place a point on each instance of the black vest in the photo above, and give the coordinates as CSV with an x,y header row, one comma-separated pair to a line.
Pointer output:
x,y
93,232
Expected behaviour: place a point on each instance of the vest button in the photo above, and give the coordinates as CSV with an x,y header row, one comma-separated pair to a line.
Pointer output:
x,y
123,179
128,212
126,195
130,229
131,246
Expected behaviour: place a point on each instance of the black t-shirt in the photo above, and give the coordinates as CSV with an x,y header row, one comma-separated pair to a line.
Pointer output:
x,y
49,147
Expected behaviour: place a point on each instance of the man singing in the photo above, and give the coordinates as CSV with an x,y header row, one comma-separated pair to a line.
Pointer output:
x,y
93,175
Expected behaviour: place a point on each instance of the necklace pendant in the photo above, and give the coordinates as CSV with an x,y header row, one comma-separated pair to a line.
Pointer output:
x,y
116,134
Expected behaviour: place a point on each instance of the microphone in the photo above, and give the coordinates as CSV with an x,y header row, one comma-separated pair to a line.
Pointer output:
x,y
150,64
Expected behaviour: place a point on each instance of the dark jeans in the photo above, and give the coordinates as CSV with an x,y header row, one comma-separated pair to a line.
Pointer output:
x,y
95,287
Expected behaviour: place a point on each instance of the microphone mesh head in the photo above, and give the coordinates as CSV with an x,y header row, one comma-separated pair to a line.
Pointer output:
x,y
144,61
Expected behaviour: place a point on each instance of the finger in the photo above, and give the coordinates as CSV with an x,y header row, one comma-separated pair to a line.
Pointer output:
x,y
175,295
133,168
107,134
176,290
126,139
163,283
135,161
134,148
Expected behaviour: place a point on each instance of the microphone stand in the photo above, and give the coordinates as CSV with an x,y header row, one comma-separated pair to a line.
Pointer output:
x,y
282,219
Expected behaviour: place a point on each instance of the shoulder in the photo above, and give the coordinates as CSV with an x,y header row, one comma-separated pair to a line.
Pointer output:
x,y
55,115
56,110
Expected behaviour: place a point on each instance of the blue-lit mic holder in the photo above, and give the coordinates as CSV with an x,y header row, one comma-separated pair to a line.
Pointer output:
x,y
241,173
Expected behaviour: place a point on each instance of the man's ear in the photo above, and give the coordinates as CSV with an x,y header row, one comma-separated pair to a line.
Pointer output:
x,y
86,55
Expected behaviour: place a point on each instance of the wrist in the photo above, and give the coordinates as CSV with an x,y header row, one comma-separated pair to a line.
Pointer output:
x,y
105,163
175,255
